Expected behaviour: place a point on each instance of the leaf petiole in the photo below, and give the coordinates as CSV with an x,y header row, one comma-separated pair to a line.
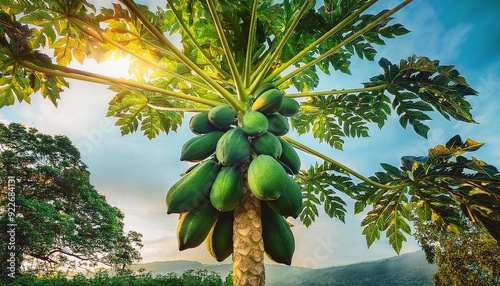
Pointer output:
x,y
341,44
336,91
340,165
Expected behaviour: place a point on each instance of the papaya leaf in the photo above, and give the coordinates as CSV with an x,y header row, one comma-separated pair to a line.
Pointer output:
x,y
132,109
419,85
319,185
443,187
331,118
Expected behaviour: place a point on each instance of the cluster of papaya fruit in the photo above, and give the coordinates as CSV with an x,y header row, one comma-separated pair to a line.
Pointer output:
x,y
208,193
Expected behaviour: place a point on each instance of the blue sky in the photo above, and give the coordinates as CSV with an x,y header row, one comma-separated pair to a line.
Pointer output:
x,y
135,173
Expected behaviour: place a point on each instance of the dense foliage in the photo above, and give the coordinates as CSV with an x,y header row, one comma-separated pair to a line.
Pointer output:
x,y
56,216
470,258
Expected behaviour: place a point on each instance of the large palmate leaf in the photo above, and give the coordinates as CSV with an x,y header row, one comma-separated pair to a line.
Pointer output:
x,y
16,80
136,109
418,85
331,118
443,186
319,184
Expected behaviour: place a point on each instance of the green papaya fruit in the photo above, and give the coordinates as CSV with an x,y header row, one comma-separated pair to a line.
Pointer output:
x,y
226,190
194,226
267,180
279,243
290,107
200,147
278,124
267,144
192,190
199,124
220,239
261,89
289,157
254,123
222,116
268,102
290,201
233,148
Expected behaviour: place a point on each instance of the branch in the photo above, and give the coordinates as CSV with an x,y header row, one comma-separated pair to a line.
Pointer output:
x,y
178,109
251,37
336,91
193,40
333,30
277,51
340,165
227,51
106,80
99,36
183,58
341,44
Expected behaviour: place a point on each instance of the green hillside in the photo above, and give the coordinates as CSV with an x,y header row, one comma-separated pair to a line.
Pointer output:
x,y
407,269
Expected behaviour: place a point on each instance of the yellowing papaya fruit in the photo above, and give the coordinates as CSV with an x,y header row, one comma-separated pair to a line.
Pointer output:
x,y
233,148
261,89
192,190
267,144
266,178
290,201
226,190
199,124
290,107
268,102
200,147
220,239
222,116
279,243
194,226
254,123
289,157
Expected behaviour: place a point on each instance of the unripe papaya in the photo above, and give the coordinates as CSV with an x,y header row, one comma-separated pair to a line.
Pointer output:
x,y
222,116
267,180
233,148
200,147
290,107
192,190
194,226
290,201
289,157
278,124
254,123
268,102
199,124
263,88
279,243
267,144
226,190
220,239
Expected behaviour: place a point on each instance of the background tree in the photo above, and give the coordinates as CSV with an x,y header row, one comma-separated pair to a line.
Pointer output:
x,y
60,219
470,258
256,43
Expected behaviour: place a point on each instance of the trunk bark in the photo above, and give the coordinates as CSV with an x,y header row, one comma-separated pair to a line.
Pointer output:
x,y
248,246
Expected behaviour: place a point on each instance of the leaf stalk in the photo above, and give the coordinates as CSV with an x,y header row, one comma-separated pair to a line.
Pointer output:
x,y
343,43
340,165
183,58
336,91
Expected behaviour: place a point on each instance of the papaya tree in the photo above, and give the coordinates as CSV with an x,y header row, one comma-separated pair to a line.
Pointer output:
x,y
246,73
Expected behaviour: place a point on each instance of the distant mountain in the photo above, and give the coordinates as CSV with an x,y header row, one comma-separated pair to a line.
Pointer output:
x,y
407,269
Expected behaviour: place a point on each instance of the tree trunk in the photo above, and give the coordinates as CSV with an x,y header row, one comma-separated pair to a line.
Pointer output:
x,y
248,246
